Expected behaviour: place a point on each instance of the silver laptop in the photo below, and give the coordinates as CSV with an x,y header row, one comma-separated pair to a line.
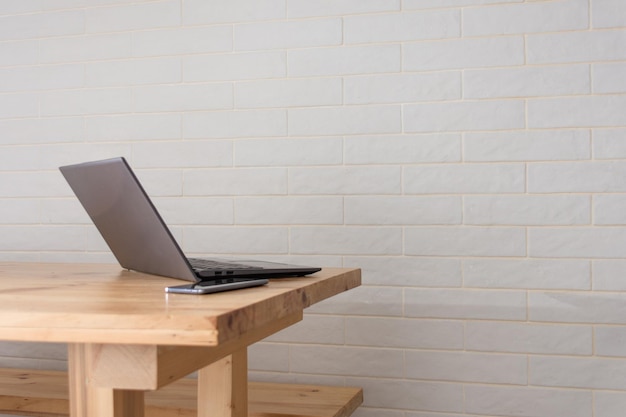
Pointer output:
x,y
139,238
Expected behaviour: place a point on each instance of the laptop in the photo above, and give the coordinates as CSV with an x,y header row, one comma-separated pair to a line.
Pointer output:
x,y
140,240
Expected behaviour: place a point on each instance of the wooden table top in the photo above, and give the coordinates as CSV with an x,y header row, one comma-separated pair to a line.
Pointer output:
x,y
95,303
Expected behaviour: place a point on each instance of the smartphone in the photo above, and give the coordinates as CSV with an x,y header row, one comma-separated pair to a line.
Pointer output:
x,y
216,285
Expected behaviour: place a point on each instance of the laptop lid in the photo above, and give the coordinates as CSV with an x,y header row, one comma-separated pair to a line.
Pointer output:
x,y
126,218
137,235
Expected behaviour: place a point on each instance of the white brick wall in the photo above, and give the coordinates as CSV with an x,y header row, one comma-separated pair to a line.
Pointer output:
x,y
469,155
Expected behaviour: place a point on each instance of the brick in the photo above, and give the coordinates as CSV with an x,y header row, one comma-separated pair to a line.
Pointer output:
x,y
42,238
183,40
19,53
397,88
346,240
466,366
83,102
318,329
609,78
609,209
288,152
199,12
235,240
133,17
344,120
183,154
21,158
407,149
464,241
26,6
608,13
343,360
95,242
86,48
39,363
609,143
464,116
463,304
77,4
463,53
289,210
20,211
288,93
576,177
234,124
19,105
586,242
529,338
37,25
528,401
41,77
526,145
527,273
590,373
304,8
344,60
527,82
54,155
404,210
56,351
609,340
183,97
410,395
403,333
607,404
31,184
582,46
237,66
330,260
464,178
526,18
363,301
161,182
133,127
527,210
22,257
428,4
268,357
48,130
238,181
194,210
400,27
592,111
577,307
122,73
407,271
345,180
608,275
287,34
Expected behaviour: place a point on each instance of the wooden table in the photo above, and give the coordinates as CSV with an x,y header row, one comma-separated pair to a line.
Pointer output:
x,y
126,335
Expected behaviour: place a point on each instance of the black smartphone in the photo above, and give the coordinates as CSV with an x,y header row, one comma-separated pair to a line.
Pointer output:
x,y
216,285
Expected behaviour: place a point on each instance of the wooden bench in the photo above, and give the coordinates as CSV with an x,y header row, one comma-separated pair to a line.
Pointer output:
x,y
45,394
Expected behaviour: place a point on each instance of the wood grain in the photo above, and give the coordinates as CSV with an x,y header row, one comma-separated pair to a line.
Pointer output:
x,y
223,387
126,335
45,393
143,367
87,303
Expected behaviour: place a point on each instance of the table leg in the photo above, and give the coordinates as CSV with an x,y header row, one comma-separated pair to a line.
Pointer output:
x,y
87,400
223,387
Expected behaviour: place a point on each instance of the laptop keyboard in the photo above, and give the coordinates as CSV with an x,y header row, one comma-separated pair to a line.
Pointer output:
x,y
200,264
